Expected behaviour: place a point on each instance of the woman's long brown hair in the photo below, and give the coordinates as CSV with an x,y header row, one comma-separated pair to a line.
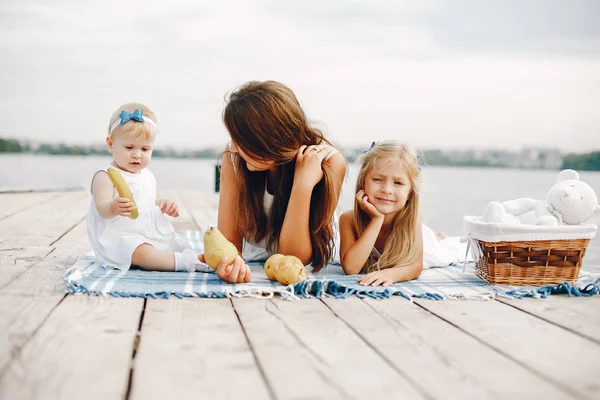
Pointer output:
x,y
266,121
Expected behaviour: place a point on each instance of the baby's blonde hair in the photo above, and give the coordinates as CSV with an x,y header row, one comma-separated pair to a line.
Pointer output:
x,y
133,127
401,247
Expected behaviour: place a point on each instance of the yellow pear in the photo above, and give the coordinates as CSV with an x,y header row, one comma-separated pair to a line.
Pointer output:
x,y
271,264
289,270
216,246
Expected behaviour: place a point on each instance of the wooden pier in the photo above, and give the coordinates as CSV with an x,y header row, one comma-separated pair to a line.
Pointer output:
x,y
59,346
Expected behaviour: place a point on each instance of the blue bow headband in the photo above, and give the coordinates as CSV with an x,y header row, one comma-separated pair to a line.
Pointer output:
x,y
137,115
367,150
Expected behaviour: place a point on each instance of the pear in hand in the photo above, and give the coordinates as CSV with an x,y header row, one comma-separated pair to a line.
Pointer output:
x,y
289,270
216,247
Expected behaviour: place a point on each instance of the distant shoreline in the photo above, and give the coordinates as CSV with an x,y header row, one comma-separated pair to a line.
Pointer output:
x,y
529,158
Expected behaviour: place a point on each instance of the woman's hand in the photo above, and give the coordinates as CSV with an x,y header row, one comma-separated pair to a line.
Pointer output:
x,y
383,277
308,170
123,206
367,206
236,272
168,207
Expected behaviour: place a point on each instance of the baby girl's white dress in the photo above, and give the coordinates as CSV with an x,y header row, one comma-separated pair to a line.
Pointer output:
x,y
115,239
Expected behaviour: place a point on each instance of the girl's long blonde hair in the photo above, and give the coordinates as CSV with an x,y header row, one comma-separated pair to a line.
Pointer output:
x,y
266,121
401,247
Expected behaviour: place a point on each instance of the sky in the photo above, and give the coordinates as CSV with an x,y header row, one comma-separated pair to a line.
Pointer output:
x,y
446,74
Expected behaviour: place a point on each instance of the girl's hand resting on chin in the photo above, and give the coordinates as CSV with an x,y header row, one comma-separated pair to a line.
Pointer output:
x,y
236,272
367,206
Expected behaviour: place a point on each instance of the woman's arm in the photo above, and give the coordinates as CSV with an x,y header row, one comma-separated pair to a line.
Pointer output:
x,y
294,238
354,252
227,221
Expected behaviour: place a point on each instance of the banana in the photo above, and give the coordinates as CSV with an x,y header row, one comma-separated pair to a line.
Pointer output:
x,y
122,188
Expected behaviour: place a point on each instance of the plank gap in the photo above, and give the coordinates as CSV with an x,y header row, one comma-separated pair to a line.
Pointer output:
x,y
30,205
294,334
25,269
546,378
258,364
136,344
566,328
61,190
16,351
381,354
68,230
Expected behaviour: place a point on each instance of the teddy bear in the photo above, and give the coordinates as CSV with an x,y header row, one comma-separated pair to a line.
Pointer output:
x,y
570,201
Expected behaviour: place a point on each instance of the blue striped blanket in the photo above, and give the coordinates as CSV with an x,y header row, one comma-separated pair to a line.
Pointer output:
x,y
437,283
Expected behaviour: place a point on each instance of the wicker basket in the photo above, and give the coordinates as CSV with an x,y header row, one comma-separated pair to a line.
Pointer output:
x,y
538,262
511,255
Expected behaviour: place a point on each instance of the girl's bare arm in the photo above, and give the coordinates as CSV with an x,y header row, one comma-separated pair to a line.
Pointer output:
x,y
354,251
103,192
294,238
227,222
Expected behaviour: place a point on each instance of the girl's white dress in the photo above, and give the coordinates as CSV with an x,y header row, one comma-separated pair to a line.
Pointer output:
x,y
115,239
436,253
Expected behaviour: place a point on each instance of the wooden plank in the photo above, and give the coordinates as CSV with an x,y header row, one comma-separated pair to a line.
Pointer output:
x,y
12,203
305,351
185,221
46,277
13,262
546,349
436,356
43,224
202,205
194,347
20,317
83,349
579,315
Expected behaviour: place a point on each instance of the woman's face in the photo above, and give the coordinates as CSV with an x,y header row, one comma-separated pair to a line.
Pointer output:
x,y
253,163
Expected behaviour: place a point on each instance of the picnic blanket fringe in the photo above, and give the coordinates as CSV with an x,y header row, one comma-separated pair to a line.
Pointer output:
x,y
323,288
327,288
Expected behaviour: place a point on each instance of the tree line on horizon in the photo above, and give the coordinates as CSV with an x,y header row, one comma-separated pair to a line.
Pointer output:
x,y
15,146
581,162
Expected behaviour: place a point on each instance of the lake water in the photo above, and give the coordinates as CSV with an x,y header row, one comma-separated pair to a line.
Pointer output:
x,y
448,193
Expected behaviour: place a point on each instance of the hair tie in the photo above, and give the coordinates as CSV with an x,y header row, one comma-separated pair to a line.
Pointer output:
x,y
137,115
